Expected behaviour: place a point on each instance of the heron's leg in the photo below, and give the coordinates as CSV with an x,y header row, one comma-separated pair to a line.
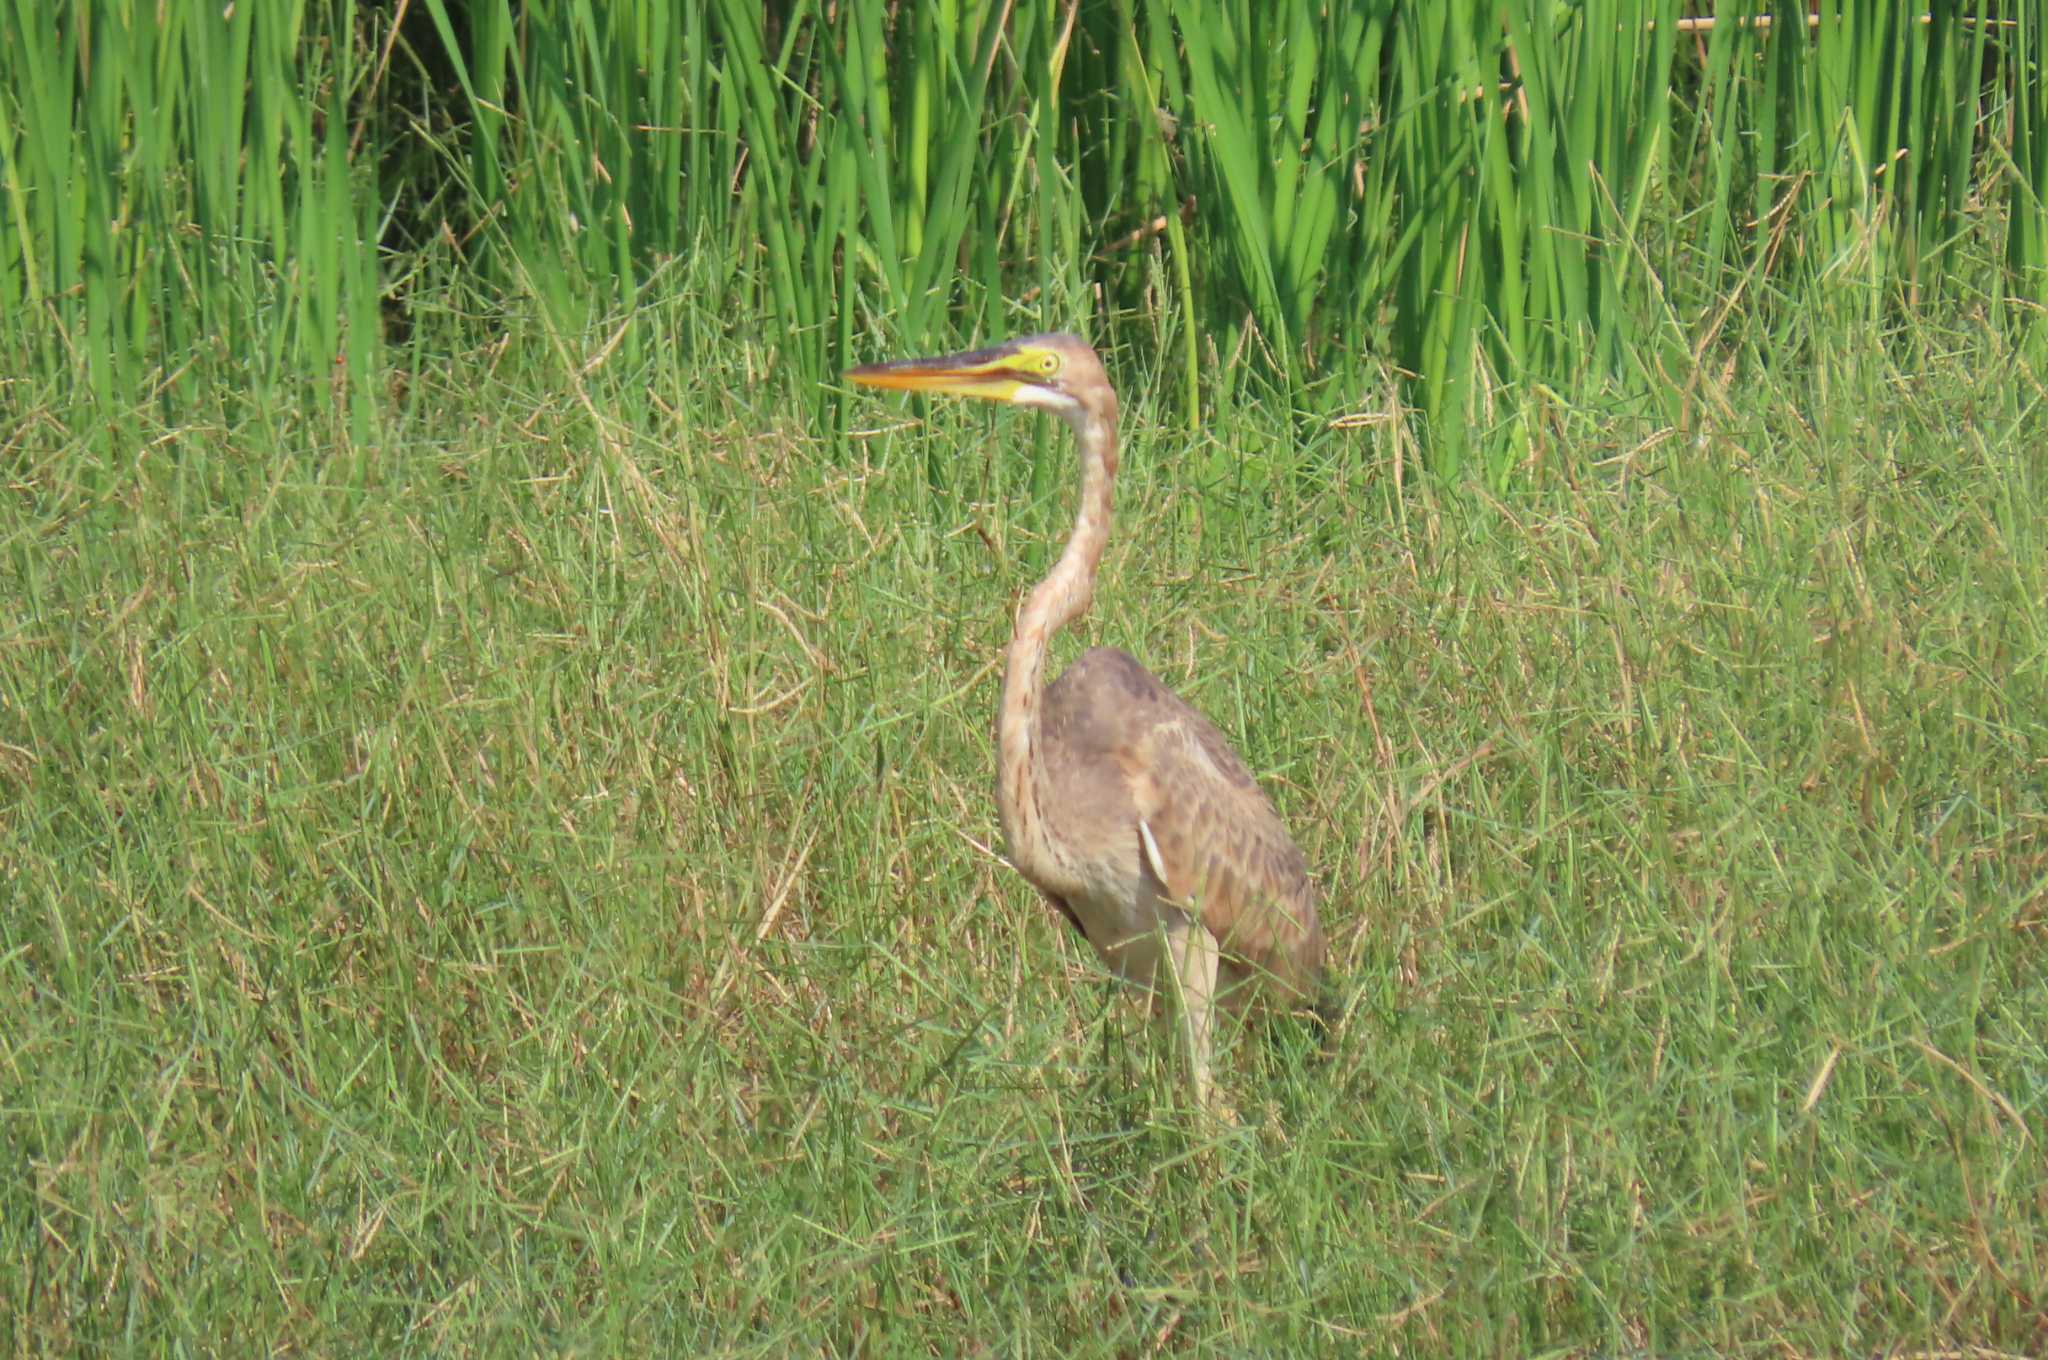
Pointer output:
x,y
1191,951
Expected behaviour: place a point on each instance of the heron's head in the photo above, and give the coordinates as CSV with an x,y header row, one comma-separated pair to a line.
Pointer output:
x,y
1054,372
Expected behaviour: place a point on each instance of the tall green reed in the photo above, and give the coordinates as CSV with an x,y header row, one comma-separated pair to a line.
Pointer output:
x,y
1843,152
2025,181
178,181
1488,200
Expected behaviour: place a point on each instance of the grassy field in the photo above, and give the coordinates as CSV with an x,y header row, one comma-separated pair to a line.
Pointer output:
x,y
531,885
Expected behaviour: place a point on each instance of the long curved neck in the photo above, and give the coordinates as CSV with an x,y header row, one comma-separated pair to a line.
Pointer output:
x,y
1062,597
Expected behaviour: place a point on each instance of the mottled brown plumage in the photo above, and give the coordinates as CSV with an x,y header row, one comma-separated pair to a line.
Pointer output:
x,y
1120,802
1122,752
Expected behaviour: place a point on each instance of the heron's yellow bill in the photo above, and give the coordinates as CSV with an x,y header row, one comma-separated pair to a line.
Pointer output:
x,y
997,374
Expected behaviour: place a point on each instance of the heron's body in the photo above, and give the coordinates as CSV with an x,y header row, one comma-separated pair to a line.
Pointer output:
x,y
1120,802
1125,760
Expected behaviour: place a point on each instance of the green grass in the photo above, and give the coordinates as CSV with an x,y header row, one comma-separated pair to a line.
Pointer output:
x,y
525,885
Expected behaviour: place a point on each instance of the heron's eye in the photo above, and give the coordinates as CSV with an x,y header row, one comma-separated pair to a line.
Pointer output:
x,y
1048,364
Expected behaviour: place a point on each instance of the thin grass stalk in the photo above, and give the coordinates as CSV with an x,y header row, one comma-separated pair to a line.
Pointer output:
x,y
771,172
1040,125
35,132
1155,188
1448,117
2022,301
1229,94
963,154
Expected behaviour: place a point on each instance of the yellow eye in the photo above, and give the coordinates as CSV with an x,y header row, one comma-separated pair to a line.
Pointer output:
x,y
1048,363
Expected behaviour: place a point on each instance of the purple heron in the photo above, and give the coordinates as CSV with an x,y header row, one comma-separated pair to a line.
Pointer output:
x,y
1120,803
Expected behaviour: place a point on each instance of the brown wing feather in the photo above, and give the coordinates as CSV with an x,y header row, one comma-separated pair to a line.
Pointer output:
x,y
1222,849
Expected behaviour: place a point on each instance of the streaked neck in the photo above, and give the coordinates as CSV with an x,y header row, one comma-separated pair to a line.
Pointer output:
x,y
1062,597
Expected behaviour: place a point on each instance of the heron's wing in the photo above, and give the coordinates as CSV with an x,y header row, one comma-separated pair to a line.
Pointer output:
x,y
1207,834
1217,848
